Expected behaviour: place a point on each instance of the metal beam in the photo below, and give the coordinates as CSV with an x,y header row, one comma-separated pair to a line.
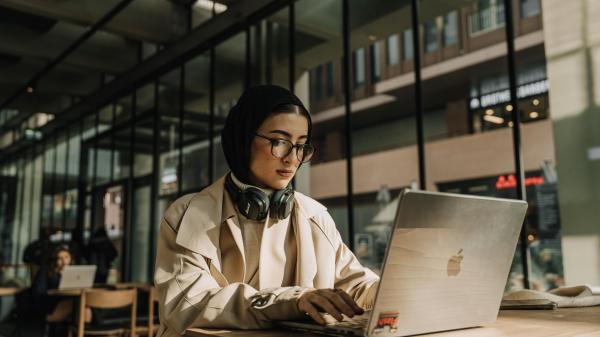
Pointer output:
x,y
106,18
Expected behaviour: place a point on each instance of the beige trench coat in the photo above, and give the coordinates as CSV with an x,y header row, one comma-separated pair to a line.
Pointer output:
x,y
196,290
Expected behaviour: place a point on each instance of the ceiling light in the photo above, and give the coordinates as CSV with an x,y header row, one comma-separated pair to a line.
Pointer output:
x,y
509,108
489,112
536,102
29,89
372,38
208,5
534,114
493,119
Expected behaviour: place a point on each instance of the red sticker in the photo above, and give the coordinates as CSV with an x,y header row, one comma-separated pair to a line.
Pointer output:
x,y
387,322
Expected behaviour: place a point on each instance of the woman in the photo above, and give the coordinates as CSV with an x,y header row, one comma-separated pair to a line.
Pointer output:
x,y
52,309
248,250
49,277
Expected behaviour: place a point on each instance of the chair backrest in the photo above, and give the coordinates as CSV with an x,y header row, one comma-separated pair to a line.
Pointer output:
x,y
152,298
107,299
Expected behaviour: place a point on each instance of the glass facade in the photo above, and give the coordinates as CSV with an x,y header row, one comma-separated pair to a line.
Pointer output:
x,y
121,163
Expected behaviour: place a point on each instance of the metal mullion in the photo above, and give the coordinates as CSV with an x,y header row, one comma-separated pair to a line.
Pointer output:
x,y
32,191
180,133
41,215
248,68
130,200
292,47
348,119
81,180
112,143
516,134
21,196
64,194
155,176
418,92
211,118
53,188
269,52
94,170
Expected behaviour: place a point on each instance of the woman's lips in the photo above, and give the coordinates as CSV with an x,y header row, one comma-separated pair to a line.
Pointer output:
x,y
285,173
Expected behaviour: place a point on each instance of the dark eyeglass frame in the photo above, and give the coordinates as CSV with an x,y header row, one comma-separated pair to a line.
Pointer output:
x,y
304,146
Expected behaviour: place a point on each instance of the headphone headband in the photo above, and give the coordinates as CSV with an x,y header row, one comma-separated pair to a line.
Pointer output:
x,y
255,204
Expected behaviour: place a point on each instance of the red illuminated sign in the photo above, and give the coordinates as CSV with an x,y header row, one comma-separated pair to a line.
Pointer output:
x,y
510,181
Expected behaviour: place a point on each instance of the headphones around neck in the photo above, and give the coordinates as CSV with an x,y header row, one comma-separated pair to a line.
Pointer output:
x,y
254,204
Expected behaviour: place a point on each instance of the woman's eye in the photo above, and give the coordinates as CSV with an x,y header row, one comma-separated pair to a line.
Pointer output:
x,y
278,142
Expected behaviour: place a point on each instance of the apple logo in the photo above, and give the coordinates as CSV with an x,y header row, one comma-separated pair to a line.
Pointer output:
x,y
454,264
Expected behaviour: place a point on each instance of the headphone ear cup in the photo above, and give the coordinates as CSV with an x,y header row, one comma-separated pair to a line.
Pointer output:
x,y
281,203
253,204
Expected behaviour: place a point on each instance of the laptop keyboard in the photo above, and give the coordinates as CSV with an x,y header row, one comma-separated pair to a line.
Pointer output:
x,y
357,322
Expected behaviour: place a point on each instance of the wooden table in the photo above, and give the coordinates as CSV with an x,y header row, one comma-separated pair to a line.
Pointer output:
x,y
527,323
12,291
67,292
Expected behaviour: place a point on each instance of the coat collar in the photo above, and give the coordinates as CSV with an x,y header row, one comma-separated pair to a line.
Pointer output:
x,y
200,227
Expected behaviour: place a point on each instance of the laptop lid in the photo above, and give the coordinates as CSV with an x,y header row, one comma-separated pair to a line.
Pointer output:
x,y
81,276
446,264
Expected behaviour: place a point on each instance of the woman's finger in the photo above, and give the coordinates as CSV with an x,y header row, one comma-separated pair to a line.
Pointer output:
x,y
357,309
325,305
340,303
310,309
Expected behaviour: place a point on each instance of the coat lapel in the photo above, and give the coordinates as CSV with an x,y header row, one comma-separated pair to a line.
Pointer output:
x,y
306,265
200,229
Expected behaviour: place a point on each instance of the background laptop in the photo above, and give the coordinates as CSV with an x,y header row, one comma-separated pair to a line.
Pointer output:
x,y
77,277
445,268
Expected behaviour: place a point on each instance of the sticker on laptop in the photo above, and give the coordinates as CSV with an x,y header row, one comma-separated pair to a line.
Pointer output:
x,y
387,322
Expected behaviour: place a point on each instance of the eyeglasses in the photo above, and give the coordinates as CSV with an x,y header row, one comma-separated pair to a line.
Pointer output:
x,y
281,148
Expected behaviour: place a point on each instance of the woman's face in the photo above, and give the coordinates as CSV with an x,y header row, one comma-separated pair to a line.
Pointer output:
x,y
266,170
63,259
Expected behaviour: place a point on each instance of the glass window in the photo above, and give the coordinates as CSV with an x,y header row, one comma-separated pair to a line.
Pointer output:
x,y
318,66
169,109
195,151
122,152
269,50
144,131
530,8
489,16
230,63
330,79
140,240
103,154
359,67
430,34
451,28
392,49
382,131
376,60
407,44
455,160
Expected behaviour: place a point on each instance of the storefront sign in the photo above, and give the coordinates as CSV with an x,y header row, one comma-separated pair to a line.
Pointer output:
x,y
503,96
510,181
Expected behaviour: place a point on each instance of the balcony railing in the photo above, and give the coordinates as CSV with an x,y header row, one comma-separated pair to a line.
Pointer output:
x,y
486,19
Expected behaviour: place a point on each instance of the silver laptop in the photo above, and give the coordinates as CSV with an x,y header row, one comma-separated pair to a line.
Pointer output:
x,y
445,268
77,277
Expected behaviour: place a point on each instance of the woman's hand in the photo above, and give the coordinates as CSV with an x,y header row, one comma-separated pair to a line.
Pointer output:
x,y
332,301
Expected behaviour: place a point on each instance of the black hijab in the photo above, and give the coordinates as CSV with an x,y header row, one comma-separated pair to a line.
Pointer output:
x,y
253,107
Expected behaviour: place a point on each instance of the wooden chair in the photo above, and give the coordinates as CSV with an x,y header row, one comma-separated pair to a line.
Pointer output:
x,y
150,328
107,299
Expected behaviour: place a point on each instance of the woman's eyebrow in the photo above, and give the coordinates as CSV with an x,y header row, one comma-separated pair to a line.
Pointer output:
x,y
285,133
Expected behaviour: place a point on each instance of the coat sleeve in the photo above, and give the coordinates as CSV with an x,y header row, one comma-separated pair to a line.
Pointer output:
x,y
358,281
190,297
